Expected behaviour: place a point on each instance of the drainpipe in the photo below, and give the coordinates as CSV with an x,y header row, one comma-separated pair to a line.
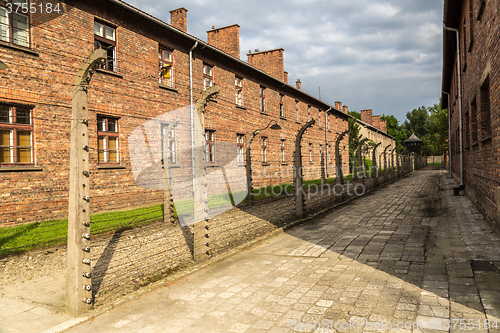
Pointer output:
x,y
460,130
192,107
449,134
326,141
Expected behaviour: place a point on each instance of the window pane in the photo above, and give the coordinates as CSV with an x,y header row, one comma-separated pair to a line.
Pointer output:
x,y
113,156
101,156
4,25
20,21
5,114
100,146
5,138
112,125
20,29
23,116
113,143
109,33
98,29
100,143
23,139
24,155
5,155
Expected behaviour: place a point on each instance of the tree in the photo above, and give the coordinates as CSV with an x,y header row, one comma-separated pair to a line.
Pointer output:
x,y
354,135
417,122
395,130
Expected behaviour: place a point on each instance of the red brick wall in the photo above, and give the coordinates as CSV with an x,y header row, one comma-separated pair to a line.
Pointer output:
x,y
480,58
44,78
366,116
227,39
270,61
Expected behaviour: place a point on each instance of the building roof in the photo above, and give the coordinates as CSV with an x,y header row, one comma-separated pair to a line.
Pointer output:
x,y
451,19
373,128
413,138
230,59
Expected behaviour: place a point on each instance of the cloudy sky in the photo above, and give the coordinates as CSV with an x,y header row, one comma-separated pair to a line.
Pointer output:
x,y
383,55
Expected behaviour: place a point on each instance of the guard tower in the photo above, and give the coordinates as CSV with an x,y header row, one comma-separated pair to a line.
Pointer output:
x,y
413,144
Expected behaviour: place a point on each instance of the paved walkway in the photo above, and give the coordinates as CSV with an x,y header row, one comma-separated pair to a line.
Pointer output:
x,y
408,255
407,258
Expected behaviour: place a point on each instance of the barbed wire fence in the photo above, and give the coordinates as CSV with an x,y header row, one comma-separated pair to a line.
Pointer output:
x,y
131,248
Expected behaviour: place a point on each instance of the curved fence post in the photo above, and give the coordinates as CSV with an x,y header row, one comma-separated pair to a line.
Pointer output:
x,y
78,276
298,180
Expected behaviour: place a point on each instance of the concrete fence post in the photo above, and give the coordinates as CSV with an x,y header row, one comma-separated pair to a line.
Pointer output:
x,y
78,276
168,205
338,158
201,247
298,180
360,161
374,165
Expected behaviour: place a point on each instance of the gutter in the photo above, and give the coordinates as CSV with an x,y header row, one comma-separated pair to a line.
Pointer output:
x,y
192,109
326,141
462,184
449,133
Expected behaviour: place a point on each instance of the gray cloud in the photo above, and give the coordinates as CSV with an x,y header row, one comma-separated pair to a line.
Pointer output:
x,y
379,54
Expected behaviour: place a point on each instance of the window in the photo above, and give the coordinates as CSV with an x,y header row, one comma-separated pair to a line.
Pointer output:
x,y
473,115
170,142
107,133
240,148
16,135
238,90
464,48
262,99
485,109
319,118
105,38
210,146
263,143
283,152
308,113
208,78
297,111
471,25
467,129
310,152
15,26
282,106
166,68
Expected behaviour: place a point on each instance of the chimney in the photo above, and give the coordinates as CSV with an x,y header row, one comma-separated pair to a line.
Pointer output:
x,y
270,61
178,18
285,77
345,109
366,116
338,106
383,126
376,121
226,39
298,84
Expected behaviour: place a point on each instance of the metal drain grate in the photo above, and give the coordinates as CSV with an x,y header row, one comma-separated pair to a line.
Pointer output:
x,y
482,266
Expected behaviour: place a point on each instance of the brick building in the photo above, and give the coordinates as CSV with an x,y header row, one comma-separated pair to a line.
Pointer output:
x,y
471,92
375,129
146,75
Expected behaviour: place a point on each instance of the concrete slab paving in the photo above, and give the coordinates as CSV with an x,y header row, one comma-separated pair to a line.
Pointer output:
x,y
395,260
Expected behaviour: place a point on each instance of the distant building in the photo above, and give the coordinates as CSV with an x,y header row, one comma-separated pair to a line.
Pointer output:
x,y
414,144
471,92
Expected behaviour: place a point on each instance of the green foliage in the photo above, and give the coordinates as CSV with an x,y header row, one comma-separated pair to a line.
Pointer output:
x,y
430,124
354,136
395,130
